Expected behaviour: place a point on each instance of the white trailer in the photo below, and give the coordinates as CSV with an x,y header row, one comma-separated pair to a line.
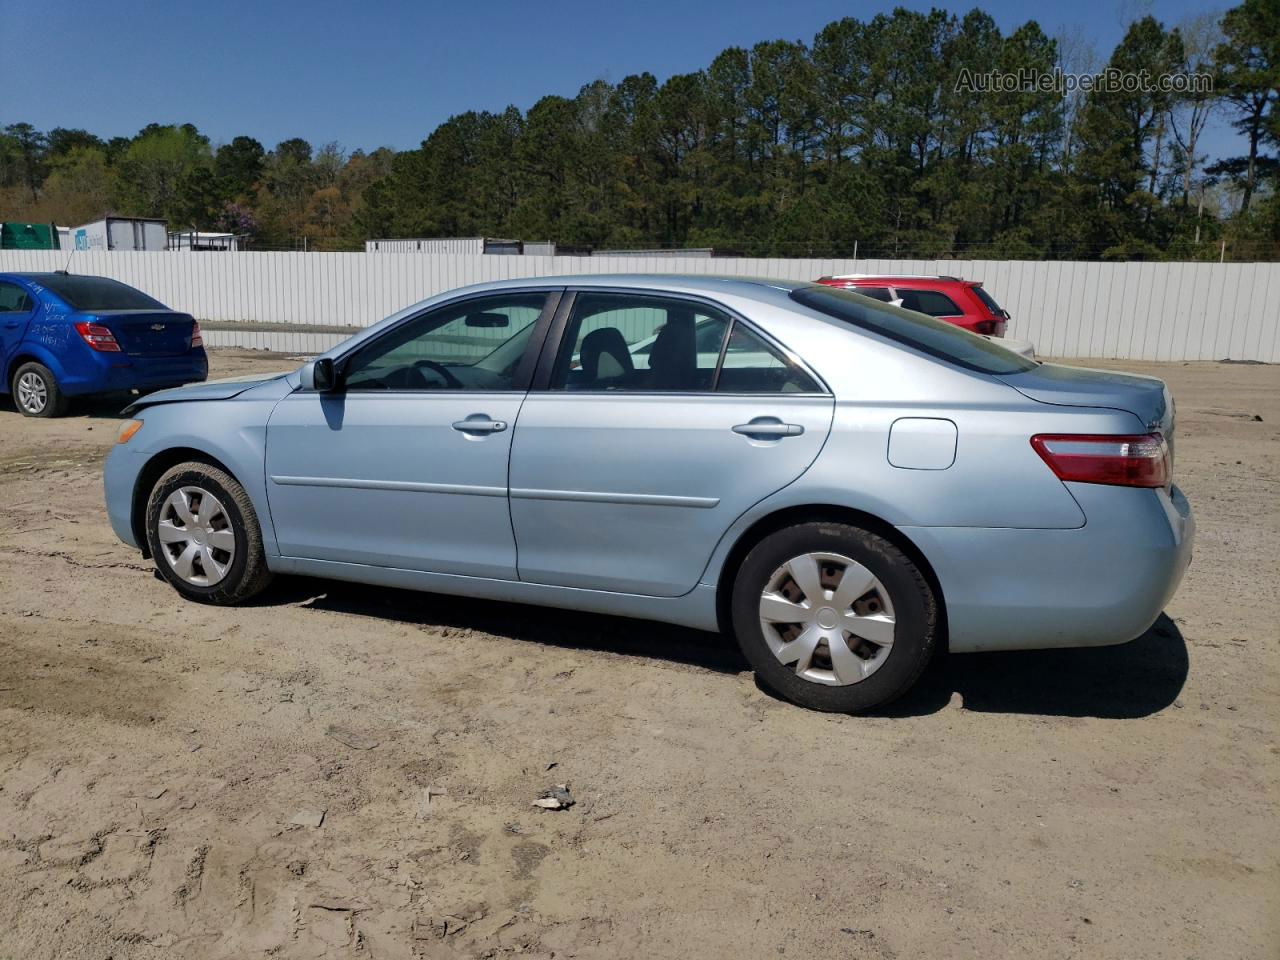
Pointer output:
x,y
121,233
446,245
456,246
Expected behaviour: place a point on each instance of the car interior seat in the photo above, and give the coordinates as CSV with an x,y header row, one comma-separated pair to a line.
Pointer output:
x,y
605,359
673,362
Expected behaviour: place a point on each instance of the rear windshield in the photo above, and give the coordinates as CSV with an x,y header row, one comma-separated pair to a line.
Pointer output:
x,y
936,337
988,300
98,293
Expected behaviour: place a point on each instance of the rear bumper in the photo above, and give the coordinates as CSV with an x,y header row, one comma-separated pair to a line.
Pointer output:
x,y
1100,584
115,372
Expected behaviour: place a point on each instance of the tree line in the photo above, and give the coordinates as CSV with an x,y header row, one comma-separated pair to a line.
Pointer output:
x,y
862,139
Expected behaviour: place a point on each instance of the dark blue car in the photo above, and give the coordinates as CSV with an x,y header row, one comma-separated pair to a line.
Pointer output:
x,y
64,336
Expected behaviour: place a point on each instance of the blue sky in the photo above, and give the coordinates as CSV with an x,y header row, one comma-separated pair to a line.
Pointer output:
x,y
372,73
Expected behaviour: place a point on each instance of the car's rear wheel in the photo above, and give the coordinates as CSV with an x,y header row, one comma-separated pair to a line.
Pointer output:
x,y
36,392
204,535
834,617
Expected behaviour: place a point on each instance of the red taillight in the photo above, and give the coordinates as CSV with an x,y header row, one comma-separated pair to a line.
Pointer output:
x,y
985,327
98,337
1126,461
197,340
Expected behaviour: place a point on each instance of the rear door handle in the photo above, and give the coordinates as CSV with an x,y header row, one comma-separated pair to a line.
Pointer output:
x,y
479,423
769,428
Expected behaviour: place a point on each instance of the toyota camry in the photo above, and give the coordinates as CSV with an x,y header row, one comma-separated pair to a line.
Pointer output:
x,y
842,485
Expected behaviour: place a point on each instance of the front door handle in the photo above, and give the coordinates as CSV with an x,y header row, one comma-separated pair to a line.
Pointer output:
x,y
479,423
768,428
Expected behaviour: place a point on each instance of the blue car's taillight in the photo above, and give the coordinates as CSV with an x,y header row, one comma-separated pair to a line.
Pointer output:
x,y
98,337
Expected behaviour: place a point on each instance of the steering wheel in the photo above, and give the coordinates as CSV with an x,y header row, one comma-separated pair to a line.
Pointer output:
x,y
445,374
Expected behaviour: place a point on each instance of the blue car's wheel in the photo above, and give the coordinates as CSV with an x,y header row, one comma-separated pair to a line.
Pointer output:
x,y
204,535
36,392
834,617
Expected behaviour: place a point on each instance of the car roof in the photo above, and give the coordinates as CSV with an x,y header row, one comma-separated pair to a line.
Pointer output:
x,y
752,287
873,279
38,275
689,282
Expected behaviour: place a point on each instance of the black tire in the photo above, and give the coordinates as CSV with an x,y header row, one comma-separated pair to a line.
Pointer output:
x,y
914,606
247,573
55,403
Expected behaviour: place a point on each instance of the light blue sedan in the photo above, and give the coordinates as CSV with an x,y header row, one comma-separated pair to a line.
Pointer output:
x,y
842,485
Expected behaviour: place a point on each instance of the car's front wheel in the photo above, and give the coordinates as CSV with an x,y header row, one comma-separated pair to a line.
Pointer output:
x,y
36,392
204,535
834,617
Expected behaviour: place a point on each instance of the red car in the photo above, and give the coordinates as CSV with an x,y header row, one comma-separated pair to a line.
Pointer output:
x,y
962,302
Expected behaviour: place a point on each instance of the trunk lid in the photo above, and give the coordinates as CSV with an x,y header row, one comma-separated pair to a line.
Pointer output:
x,y
149,333
1145,397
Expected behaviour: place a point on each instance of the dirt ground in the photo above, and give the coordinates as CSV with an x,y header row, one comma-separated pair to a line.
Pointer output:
x,y
154,755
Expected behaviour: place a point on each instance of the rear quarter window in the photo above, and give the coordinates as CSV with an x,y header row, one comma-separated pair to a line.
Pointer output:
x,y
98,293
932,302
988,301
936,337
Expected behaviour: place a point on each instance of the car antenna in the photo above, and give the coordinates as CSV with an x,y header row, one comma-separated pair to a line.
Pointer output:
x,y
67,265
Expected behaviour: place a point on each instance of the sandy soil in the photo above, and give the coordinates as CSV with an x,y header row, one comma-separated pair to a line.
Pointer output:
x,y
154,754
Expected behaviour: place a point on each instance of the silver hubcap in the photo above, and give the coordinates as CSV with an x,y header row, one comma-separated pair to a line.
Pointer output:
x,y
828,618
33,392
196,536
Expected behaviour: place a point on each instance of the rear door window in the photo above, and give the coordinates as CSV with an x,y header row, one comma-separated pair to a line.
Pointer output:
x,y
883,294
638,342
645,343
13,299
929,302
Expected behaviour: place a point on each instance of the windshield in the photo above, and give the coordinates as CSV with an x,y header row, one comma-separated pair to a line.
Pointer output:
x,y
936,337
97,293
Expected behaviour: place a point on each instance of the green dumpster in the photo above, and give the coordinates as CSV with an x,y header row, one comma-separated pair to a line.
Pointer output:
x,y
28,236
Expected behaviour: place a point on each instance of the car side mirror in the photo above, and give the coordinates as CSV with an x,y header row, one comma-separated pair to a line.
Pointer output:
x,y
319,375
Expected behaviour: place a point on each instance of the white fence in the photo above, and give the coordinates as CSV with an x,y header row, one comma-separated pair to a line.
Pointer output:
x,y
1136,311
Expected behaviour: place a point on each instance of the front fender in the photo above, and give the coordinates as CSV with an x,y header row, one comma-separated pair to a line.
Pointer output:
x,y
233,433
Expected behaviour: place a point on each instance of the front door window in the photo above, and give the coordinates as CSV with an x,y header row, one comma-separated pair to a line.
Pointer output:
x,y
474,345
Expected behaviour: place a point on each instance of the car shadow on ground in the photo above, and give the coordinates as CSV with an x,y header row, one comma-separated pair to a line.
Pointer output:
x,y
570,629
1123,682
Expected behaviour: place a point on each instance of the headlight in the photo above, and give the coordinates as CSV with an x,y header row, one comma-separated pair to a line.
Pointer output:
x,y
127,430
